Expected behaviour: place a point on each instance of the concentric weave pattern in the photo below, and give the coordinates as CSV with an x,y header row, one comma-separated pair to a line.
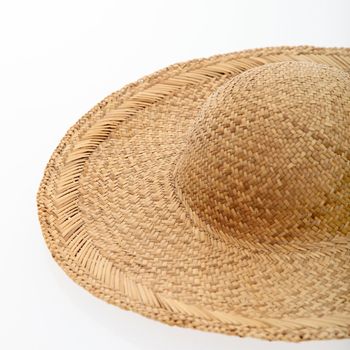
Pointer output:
x,y
268,159
124,213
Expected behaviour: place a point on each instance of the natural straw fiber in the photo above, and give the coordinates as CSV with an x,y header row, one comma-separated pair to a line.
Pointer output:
x,y
214,194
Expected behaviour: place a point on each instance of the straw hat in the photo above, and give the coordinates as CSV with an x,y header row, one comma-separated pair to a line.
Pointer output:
x,y
214,194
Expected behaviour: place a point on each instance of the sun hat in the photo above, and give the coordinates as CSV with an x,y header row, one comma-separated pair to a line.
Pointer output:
x,y
214,194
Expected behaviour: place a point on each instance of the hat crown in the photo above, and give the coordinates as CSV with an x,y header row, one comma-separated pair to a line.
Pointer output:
x,y
268,157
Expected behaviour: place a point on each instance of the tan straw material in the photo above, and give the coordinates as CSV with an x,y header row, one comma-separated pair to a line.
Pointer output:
x,y
214,194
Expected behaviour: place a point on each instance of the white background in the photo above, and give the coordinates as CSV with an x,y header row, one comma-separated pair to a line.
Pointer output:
x,y
57,60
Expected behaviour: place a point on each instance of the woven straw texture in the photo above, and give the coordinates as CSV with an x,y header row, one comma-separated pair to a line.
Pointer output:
x,y
214,194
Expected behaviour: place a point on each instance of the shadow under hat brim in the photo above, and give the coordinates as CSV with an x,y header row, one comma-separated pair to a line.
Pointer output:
x,y
112,219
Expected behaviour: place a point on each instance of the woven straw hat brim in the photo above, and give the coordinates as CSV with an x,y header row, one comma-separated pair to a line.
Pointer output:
x,y
112,220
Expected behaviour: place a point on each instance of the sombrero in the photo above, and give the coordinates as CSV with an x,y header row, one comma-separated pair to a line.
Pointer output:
x,y
214,194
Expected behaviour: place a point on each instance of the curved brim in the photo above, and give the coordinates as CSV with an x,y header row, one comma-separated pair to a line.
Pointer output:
x,y
112,220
